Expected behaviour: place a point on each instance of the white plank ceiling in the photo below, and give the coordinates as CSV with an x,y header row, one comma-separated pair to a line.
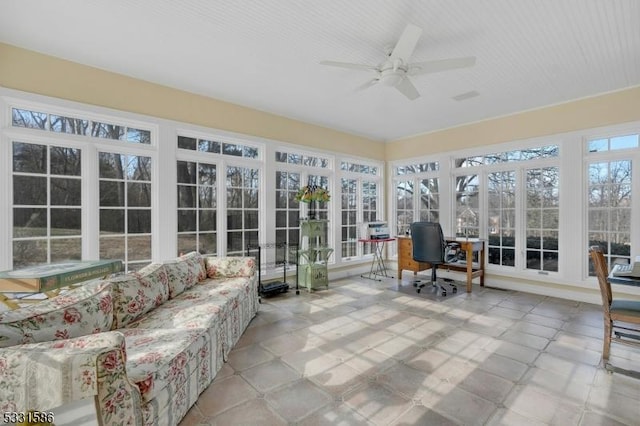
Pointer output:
x,y
266,54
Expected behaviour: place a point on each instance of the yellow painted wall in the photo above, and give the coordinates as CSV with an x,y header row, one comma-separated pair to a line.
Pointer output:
x,y
613,108
33,72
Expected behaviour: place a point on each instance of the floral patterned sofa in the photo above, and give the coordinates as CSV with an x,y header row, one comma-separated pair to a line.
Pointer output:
x,y
142,345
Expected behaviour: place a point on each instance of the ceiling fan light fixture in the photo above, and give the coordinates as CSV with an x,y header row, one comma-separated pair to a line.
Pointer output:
x,y
391,78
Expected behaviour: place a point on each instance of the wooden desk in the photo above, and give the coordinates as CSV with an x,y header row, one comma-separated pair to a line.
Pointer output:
x,y
473,270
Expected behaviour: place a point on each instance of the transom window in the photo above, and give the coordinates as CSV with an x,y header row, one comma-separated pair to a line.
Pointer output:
x,y
216,147
613,144
417,168
302,159
528,154
358,168
78,126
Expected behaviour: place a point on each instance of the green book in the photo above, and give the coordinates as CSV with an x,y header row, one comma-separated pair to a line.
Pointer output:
x,y
42,278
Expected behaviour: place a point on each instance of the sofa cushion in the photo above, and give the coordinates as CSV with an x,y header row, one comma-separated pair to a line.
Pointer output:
x,y
184,272
163,359
137,293
77,312
229,266
203,306
196,263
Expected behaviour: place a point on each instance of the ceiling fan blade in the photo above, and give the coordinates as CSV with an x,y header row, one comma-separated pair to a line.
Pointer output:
x,y
408,89
349,65
406,44
441,65
368,84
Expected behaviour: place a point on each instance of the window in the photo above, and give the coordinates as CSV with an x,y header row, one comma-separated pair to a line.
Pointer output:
x,y
304,165
609,209
293,171
302,159
613,144
287,210
359,203
467,195
429,209
369,201
506,198
404,205
417,168
243,184
216,147
349,212
78,126
322,207
501,191
417,197
543,217
197,207
47,203
528,154
125,208
74,126
369,205
358,168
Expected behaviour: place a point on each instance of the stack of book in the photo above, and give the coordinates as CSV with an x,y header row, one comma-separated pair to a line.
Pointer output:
x,y
34,282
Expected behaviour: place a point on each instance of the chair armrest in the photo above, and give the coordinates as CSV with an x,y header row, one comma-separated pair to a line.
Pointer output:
x,y
42,376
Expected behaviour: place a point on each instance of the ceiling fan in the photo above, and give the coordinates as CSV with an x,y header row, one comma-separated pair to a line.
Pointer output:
x,y
396,69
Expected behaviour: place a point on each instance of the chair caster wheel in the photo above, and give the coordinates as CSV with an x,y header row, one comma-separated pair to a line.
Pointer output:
x,y
444,293
417,290
455,290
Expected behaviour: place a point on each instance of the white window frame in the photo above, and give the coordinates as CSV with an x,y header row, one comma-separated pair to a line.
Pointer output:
x,y
362,252
90,146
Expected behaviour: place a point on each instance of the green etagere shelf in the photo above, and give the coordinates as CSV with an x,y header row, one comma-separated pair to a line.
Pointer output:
x,y
313,254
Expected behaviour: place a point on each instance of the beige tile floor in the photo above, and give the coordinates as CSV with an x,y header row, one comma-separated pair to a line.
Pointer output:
x,y
361,354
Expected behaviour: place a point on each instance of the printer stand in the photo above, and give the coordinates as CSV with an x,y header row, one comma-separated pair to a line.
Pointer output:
x,y
378,268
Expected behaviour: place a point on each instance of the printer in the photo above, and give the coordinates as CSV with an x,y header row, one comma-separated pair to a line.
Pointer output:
x,y
376,230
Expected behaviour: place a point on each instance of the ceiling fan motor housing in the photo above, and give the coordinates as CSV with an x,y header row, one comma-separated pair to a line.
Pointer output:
x,y
392,77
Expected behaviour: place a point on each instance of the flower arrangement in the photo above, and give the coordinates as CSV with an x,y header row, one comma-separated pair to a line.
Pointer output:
x,y
310,193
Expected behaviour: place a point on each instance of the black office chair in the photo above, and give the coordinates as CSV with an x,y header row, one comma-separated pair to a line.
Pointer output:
x,y
430,246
